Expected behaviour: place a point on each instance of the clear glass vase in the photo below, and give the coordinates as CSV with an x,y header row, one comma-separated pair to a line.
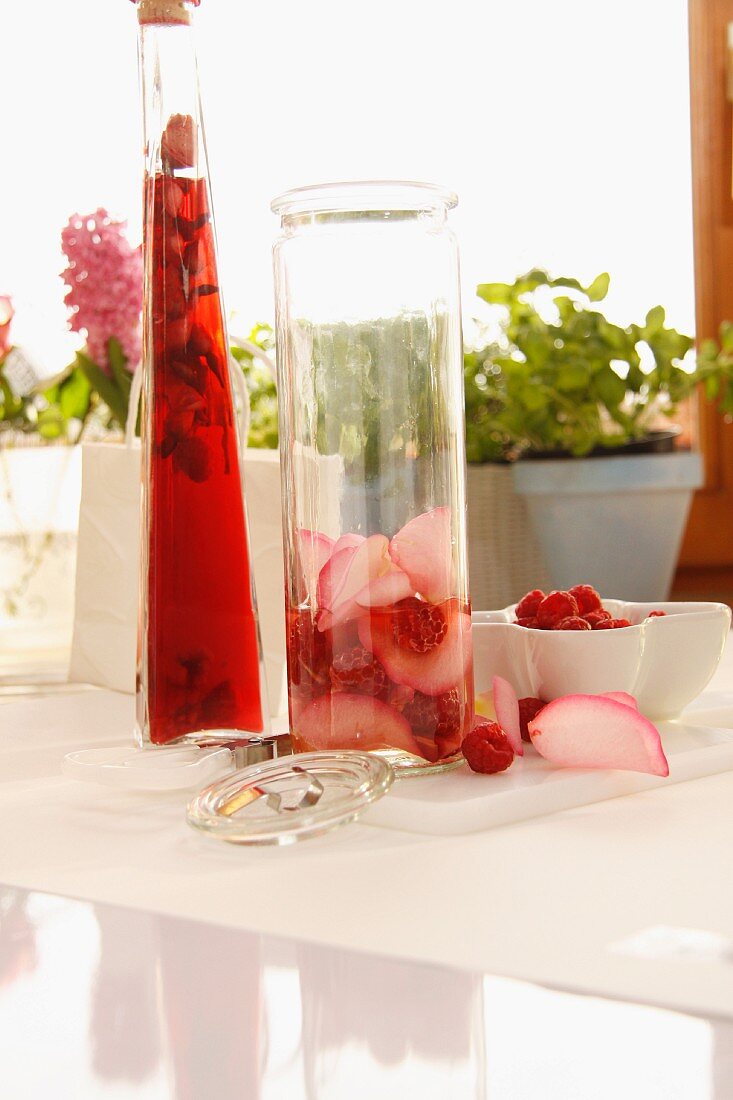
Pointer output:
x,y
200,674
373,465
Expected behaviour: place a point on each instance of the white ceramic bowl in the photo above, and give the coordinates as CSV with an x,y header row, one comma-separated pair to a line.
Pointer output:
x,y
664,662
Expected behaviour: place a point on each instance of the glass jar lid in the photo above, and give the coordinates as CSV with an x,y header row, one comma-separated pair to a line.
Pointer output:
x,y
364,195
288,799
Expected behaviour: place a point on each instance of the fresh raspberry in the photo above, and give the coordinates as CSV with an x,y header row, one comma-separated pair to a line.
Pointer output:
x,y
358,670
612,624
419,626
529,622
597,617
586,598
487,748
434,716
573,622
554,608
527,606
656,614
529,708
308,652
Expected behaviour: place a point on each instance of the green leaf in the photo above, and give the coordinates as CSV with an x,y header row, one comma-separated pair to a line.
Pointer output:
x,y
105,386
536,348
532,398
529,282
73,395
572,377
118,366
726,337
654,321
562,281
598,289
51,423
708,350
610,388
494,293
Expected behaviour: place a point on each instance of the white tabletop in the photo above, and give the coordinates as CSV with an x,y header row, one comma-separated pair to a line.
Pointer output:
x,y
98,1001
629,898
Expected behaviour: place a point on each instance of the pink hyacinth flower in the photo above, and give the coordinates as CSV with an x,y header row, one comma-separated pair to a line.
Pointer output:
x,y
104,279
6,316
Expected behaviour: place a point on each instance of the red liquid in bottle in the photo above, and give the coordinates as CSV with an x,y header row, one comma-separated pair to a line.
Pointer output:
x,y
202,651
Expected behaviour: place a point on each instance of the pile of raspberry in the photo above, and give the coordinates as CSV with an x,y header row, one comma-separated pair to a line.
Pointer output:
x,y
579,608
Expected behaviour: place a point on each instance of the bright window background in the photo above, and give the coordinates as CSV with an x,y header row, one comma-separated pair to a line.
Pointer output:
x,y
564,127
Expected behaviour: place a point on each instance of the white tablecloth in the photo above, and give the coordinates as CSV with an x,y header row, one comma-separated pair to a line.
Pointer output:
x,y
546,900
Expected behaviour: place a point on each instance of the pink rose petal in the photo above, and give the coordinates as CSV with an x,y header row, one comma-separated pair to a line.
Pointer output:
x,y
621,697
506,705
359,577
423,548
6,316
437,671
333,577
385,590
314,550
590,731
344,542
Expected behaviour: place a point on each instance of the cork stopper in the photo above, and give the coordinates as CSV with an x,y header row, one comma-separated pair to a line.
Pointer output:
x,y
165,11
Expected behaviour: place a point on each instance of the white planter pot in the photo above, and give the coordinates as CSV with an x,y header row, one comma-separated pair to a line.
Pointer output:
x,y
504,556
105,628
616,523
39,508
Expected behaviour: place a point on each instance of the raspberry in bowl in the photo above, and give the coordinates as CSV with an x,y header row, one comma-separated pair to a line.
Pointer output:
x,y
562,643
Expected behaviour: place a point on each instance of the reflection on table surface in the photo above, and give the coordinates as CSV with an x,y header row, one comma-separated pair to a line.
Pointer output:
x,y
98,1001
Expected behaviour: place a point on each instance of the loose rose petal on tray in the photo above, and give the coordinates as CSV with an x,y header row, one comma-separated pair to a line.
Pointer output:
x,y
591,731
506,705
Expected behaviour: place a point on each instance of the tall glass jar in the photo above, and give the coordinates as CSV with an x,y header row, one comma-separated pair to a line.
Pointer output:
x,y
373,464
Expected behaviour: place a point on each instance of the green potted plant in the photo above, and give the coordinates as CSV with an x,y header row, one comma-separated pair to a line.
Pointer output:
x,y
584,410
504,554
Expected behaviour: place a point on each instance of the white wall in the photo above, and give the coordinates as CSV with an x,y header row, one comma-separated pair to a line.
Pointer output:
x,y
563,126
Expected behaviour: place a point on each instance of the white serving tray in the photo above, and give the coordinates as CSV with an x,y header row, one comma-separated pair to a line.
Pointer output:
x,y
458,802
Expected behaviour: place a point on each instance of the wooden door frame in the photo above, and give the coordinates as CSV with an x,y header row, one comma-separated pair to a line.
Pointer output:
x,y
706,560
